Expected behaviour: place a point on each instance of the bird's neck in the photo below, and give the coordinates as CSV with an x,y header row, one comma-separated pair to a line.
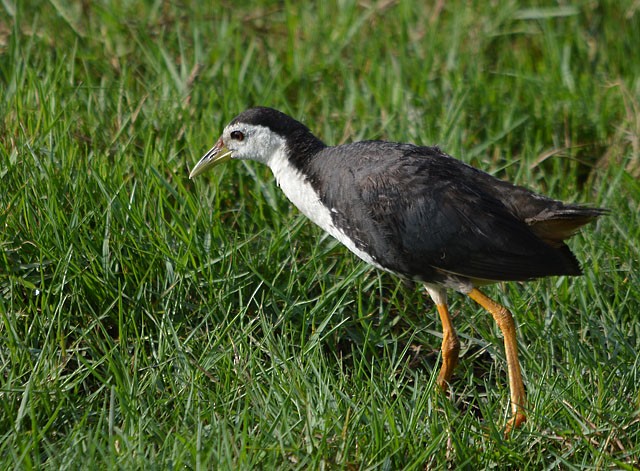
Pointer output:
x,y
292,176
298,186
302,148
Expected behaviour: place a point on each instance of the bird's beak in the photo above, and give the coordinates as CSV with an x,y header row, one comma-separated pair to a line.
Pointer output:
x,y
217,155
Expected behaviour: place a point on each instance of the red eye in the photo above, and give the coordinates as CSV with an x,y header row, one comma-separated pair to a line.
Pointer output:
x,y
237,135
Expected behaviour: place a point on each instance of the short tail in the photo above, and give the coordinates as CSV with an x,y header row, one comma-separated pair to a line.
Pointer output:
x,y
556,224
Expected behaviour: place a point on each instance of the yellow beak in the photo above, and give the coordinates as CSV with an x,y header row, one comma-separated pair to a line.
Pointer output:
x,y
217,155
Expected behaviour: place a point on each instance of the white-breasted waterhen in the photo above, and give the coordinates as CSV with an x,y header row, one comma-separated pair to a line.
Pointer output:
x,y
418,213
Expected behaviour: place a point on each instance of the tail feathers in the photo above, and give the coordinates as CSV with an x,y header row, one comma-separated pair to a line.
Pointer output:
x,y
553,225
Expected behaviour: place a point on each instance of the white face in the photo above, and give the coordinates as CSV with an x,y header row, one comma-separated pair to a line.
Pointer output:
x,y
245,142
252,142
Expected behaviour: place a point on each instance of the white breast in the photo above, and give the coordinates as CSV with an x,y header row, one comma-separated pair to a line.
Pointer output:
x,y
305,198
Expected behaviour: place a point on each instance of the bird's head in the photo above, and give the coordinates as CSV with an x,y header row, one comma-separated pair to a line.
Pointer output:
x,y
243,141
258,134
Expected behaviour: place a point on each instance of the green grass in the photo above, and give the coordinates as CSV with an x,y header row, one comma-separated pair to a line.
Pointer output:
x,y
147,321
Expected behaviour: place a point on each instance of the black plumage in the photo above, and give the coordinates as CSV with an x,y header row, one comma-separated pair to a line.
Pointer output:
x,y
419,213
415,211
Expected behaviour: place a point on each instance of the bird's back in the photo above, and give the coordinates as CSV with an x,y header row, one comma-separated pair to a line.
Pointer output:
x,y
427,216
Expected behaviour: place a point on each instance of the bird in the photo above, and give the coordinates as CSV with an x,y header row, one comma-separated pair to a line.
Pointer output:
x,y
418,213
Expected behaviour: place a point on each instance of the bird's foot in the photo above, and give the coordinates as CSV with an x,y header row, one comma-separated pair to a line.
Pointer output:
x,y
516,421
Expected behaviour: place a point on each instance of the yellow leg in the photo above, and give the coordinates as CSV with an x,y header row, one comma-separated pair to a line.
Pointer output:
x,y
505,322
450,347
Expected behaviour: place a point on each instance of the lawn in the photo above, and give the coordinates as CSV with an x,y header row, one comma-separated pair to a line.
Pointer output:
x,y
152,322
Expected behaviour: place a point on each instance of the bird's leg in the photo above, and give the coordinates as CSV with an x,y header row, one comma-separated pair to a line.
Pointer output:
x,y
450,342
505,322
450,347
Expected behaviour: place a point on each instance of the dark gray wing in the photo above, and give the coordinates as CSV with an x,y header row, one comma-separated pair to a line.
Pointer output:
x,y
420,213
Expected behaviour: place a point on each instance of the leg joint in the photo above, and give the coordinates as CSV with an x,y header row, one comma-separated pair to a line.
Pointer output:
x,y
503,316
450,344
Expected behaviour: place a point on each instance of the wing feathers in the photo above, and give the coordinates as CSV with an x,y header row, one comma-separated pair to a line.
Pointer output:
x,y
424,214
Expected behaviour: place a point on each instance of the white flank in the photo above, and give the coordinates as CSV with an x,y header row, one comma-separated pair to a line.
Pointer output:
x,y
437,293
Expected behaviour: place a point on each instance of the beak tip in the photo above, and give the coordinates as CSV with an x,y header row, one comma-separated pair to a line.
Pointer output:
x,y
196,170
216,155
